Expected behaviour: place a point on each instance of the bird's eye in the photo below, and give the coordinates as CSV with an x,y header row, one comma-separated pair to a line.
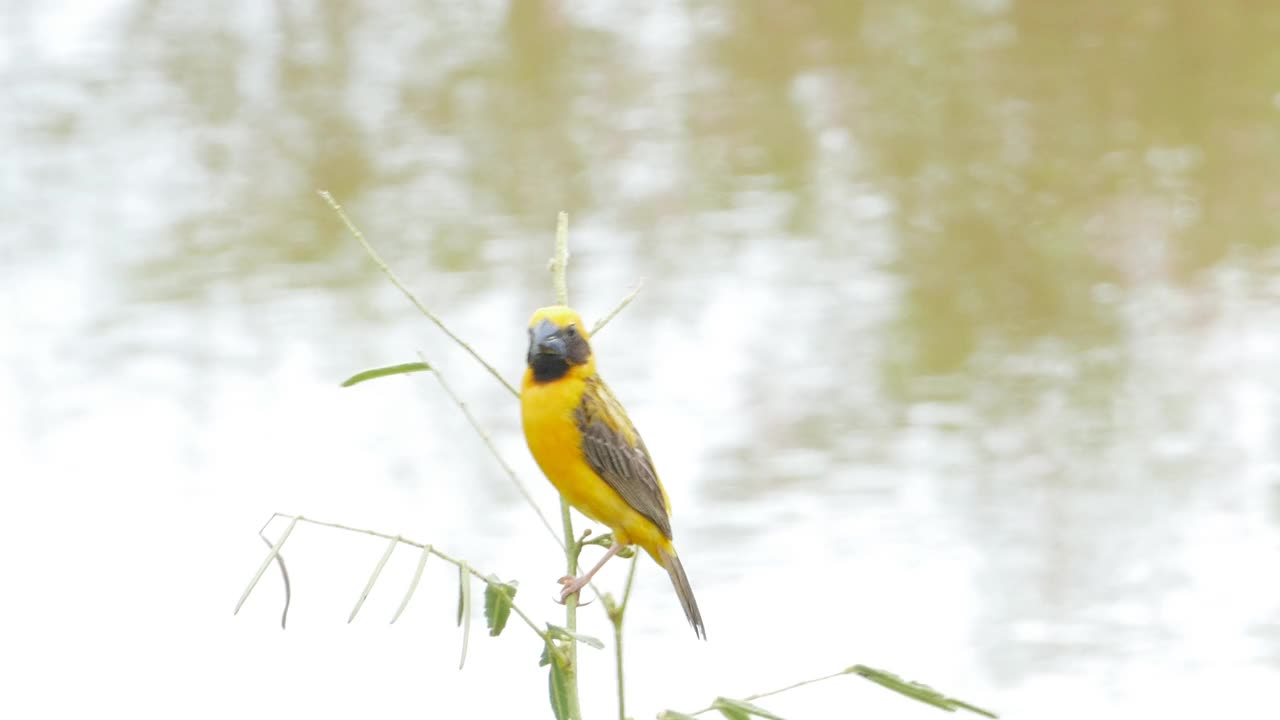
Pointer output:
x,y
571,331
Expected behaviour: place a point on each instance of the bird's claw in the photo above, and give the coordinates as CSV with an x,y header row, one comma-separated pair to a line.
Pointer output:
x,y
572,585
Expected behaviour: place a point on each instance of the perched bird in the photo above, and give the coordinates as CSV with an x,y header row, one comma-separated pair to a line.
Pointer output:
x,y
588,448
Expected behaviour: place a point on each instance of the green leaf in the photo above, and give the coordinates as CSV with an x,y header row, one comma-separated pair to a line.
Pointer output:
x,y
464,608
401,369
673,715
545,657
559,691
742,706
915,690
562,634
733,713
497,603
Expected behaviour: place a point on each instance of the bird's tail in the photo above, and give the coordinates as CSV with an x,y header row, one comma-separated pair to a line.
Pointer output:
x,y
683,590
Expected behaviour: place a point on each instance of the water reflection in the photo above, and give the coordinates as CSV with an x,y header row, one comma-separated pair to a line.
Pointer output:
x,y
964,310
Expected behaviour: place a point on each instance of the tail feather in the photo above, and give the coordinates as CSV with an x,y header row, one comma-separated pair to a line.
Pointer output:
x,y
683,591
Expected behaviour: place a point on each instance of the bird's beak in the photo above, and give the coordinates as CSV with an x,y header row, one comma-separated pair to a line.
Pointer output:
x,y
546,340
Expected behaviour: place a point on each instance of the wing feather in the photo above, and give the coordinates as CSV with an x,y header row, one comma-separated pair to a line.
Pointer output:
x,y
614,449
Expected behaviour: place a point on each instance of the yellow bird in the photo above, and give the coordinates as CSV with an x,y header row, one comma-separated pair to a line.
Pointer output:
x,y
588,448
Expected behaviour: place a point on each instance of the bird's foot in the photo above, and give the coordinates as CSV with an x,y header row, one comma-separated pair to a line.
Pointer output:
x,y
572,585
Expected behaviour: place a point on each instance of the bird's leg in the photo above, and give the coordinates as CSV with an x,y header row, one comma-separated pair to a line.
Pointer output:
x,y
573,585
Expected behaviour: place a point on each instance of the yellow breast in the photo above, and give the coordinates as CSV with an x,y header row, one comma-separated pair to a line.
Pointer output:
x,y
551,429
552,432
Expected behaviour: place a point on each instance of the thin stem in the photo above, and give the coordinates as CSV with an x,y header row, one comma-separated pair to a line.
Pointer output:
x,y
377,259
792,686
626,590
616,616
613,313
560,263
617,652
572,548
493,450
431,549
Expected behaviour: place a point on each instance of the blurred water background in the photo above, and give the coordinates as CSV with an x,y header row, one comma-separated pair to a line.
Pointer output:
x,y
959,346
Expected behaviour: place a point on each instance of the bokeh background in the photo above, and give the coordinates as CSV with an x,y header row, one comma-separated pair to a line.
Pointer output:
x,y
958,348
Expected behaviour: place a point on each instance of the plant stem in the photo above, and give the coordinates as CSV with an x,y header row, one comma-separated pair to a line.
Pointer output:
x,y
560,263
382,265
493,450
377,259
572,548
792,686
625,302
616,617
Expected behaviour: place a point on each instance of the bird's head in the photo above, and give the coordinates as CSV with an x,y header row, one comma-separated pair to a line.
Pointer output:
x,y
558,344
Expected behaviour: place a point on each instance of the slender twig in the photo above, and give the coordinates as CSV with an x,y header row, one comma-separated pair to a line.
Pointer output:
x,y
617,652
395,280
792,686
560,263
616,616
571,552
620,306
572,547
493,450
377,259
626,590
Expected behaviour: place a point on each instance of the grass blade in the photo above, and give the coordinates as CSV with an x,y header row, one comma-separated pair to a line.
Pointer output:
x,y
401,369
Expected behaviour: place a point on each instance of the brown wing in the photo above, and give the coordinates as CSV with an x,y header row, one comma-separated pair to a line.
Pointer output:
x,y
613,448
